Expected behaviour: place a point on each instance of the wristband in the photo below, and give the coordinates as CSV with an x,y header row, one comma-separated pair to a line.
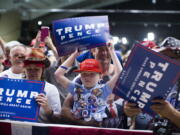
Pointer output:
x,y
63,67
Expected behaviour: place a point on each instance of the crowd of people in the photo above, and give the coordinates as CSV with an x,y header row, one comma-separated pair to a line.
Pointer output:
x,y
84,96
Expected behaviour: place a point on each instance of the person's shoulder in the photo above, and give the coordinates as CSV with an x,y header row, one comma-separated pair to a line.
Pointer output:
x,y
50,89
49,86
5,73
84,56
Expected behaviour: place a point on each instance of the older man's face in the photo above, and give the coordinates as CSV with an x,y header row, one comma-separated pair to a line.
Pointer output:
x,y
17,56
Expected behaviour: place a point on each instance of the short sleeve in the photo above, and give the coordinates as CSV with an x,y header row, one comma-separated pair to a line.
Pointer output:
x,y
71,88
106,91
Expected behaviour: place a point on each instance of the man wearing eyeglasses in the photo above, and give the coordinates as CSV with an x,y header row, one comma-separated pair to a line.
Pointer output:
x,y
17,56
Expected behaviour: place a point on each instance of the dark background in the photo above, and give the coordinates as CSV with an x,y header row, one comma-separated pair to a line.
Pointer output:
x,y
162,18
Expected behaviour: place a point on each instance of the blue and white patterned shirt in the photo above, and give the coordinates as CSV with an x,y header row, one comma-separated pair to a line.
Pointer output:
x,y
89,103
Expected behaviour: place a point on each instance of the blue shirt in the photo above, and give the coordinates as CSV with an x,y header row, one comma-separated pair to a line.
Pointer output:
x,y
88,55
89,103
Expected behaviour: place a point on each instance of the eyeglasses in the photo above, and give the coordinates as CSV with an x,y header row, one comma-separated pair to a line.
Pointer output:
x,y
20,56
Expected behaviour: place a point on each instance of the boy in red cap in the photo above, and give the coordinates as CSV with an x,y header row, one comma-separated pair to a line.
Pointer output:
x,y
89,101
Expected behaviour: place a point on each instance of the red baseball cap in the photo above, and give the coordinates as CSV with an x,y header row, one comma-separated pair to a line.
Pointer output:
x,y
90,65
149,44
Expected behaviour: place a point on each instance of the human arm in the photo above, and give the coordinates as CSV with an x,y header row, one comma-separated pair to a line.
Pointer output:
x,y
59,74
49,43
166,110
66,114
117,67
37,40
130,109
49,102
68,117
2,44
42,100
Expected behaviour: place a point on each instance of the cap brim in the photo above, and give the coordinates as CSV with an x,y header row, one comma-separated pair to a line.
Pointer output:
x,y
78,70
46,62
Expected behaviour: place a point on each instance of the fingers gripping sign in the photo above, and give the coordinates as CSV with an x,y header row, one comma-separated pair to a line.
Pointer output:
x,y
42,100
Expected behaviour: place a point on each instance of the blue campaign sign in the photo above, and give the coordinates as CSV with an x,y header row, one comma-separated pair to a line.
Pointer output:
x,y
81,32
147,75
17,99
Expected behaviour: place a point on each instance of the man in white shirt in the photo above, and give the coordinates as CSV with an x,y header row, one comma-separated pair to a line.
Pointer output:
x,y
17,56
